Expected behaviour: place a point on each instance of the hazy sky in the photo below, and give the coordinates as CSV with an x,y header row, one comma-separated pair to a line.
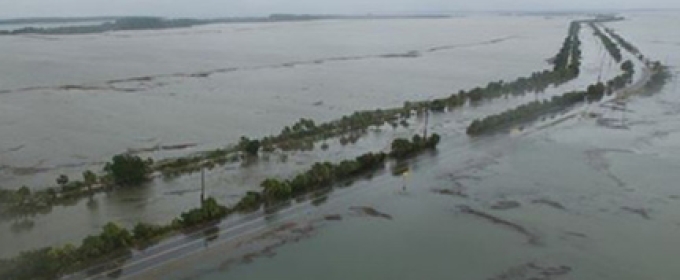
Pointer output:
x,y
210,8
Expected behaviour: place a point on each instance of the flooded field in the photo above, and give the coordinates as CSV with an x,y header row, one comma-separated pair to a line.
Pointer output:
x,y
212,84
320,70
569,201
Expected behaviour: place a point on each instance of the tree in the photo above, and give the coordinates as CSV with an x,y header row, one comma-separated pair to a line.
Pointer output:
x,y
438,105
250,202
433,141
275,189
62,180
143,232
210,211
627,66
128,170
596,92
251,147
23,193
401,147
90,179
112,238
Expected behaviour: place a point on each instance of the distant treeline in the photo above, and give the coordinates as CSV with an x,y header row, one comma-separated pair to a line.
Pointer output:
x,y
49,20
150,23
128,23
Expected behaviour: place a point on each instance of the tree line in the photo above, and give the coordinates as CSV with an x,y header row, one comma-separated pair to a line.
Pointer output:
x,y
115,241
622,42
304,133
611,47
119,24
534,110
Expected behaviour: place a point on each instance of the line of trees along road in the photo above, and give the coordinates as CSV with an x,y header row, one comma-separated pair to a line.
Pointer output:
x,y
534,110
594,93
302,134
116,242
611,47
47,263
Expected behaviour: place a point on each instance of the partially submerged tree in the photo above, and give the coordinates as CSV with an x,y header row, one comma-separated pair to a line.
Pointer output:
x,y
128,170
62,180
250,147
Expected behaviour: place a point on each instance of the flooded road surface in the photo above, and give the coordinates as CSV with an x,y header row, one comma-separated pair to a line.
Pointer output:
x,y
574,200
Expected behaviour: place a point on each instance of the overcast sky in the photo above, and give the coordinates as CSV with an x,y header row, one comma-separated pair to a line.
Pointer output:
x,y
214,8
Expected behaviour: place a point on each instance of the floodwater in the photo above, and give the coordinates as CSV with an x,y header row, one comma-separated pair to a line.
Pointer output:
x,y
131,90
569,201
69,103
585,202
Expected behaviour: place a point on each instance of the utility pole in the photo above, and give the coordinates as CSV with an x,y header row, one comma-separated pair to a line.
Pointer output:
x,y
427,121
604,55
202,186
623,114
609,67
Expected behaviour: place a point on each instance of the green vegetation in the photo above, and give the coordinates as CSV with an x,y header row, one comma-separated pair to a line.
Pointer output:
x,y
303,134
209,211
611,47
123,170
622,42
126,23
566,67
62,180
249,203
143,23
319,176
250,147
659,78
50,263
114,241
568,59
535,109
128,170
595,92
622,80
403,148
